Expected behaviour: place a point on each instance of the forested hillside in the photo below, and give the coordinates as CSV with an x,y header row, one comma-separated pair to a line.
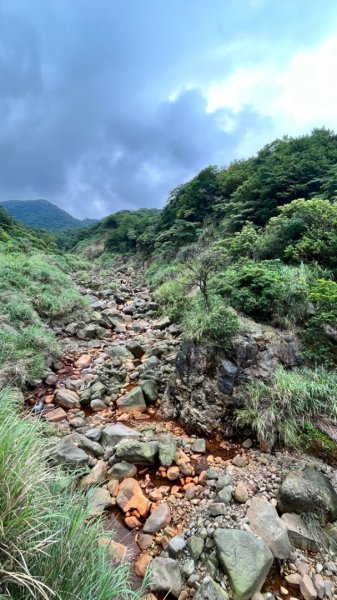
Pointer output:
x,y
43,214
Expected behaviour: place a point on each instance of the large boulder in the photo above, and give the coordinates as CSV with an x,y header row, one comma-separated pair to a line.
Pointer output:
x,y
246,560
165,576
113,434
133,401
137,453
265,523
298,532
210,590
70,456
310,492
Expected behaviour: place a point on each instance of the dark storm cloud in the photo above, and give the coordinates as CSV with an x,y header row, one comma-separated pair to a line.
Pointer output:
x,y
102,104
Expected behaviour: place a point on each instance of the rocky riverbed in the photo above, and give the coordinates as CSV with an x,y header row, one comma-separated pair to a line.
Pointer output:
x,y
210,517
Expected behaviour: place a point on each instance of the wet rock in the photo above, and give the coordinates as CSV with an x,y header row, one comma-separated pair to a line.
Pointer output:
x,y
133,401
150,390
67,399
122,470
167,450
266,524
248,566
165,576
176,546
138,453
210,590
96,476
308,491
113,434
70,455
298,533
159,518
99,500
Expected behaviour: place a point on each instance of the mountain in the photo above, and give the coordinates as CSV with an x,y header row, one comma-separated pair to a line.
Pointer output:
x,y
43,214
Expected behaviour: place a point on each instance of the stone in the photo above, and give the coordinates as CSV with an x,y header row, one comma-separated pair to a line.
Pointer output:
x,y
113,486
162,323
319,585
132,522
123,469
97,389
199,446
176,546
135,348
96,476
188,568
55,416
86,444
94,434
167,450
142,564
217,509
119,352
127,489
150,390
97,405
159,518
241,493
293,579
266,524
308,491
67,399
133,401
298,533
139,503
239,461
98,500
173,473
224,496
83,362
210,590
195,546
165,576
70,455
245,558
113,434
307,588
116,551
145,541
138,453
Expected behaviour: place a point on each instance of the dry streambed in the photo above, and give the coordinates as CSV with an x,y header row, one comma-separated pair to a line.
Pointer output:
x,y
210,518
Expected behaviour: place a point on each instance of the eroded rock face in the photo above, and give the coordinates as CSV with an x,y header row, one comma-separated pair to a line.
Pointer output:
x,y
207,380
308,491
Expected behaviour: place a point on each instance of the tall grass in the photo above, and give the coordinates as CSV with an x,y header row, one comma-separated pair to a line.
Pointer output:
x,y
278,413
48,546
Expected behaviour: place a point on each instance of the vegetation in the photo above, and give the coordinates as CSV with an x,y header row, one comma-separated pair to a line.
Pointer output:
x,y
43,214
48,546
280,413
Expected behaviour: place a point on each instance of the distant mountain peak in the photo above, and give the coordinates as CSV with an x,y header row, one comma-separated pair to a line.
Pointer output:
x,y
43,214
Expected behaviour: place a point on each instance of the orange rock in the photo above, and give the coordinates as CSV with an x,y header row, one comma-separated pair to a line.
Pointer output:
x,y
142,564
139,503
127,489
173,473
49,399
189,486
56,415
83,362
145,540
113,486
116,550
132,522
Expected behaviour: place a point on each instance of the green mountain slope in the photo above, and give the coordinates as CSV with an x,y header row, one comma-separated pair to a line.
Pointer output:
x,y
43,214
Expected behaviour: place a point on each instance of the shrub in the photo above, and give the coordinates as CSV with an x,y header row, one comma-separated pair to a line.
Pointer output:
x,y
320,334
279,413
217,324
48,546
173,299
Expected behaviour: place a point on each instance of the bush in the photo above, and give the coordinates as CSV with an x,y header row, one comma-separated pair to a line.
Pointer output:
x,y
320,333
267,291
48,546
173,299
279,413
218,324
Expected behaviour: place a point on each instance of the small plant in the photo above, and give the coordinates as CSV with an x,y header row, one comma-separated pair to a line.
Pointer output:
x,y
217,324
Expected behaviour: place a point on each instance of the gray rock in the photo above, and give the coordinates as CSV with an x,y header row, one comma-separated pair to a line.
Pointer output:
x,y
150,390
165,576
97,390
162,323
308,491
246,560
67,399
195,546
96,476
210,590
135,348
266,524
217,508
97,405
70,455
86,444
188,568
307,588
176,546
223,481
159,518
113,434
119,352
199,446
167,450
123,469
98,500
224,496
133,401
298,533
137,453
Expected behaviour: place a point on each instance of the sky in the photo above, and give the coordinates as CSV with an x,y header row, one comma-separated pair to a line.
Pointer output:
x,y
108,105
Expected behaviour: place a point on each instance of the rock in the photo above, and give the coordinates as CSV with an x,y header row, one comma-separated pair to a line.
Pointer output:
x,y
224,496
133,401
308,491
159,518
239,461
307,588
132,522
167,450
319,585
51,379
195,546
217,508
188,568
116,551
199,446
67,399
331,531
138,453
165,576
113,487
113,434
94,434
210,590
142,564
298,533
83,362
145,541
122,470
150,390
135,348
173,473
127,489
139,503
176,546
119,352
247,444
162,323
293,579
245,558
70,455
96,476
98,500
55,416
97,390
86,444
241,493
97,405
266,524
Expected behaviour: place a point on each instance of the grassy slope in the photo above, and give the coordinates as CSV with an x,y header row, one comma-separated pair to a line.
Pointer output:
x,y
43,214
